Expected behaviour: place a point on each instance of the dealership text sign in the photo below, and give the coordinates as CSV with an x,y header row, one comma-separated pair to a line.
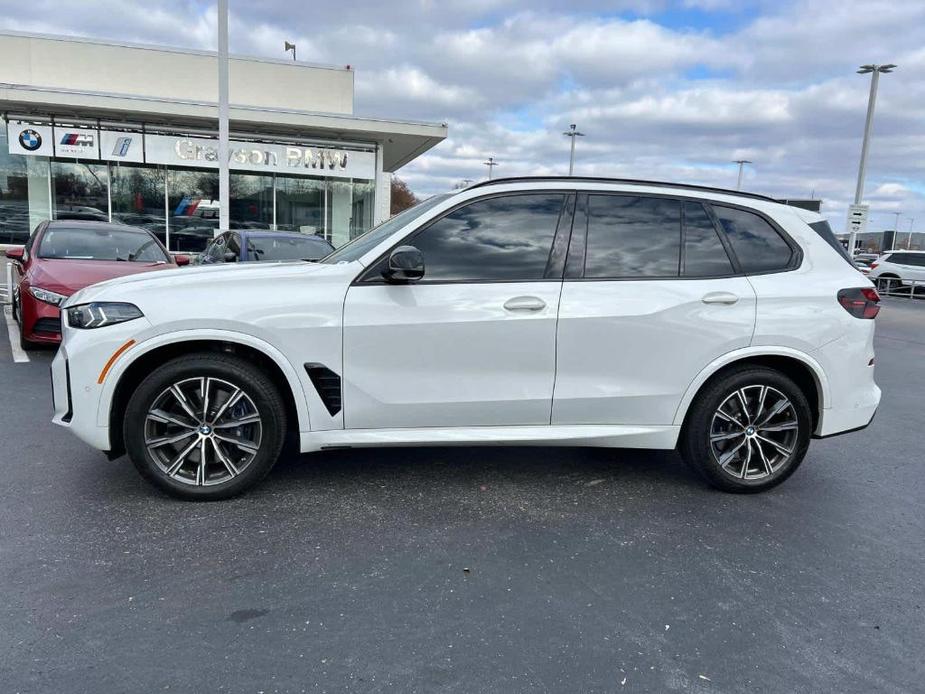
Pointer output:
x,y
198,152
254,156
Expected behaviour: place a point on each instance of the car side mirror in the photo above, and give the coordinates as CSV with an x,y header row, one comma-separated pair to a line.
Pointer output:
x,y
230,257
15,254
406,264
181,259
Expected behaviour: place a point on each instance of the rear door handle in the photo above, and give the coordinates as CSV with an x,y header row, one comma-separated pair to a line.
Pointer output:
x,y
720,298
524,303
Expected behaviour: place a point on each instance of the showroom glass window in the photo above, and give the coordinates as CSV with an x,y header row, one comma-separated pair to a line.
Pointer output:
x,y
756,243
632,236
300,204
192,204
251,201
80,190
138,197
20,177
504,238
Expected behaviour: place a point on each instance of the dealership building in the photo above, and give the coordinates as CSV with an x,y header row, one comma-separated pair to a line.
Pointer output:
x,y
128,133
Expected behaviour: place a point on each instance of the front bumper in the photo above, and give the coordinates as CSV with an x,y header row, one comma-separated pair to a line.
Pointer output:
x,y
75,375
41,322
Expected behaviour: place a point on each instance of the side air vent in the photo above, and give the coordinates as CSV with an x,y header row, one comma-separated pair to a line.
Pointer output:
x,y
327,383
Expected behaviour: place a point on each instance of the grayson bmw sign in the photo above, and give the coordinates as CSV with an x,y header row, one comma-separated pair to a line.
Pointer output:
x,y
30,140
295,157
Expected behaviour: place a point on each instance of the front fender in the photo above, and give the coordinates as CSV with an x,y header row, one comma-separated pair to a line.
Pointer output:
x,y
151,340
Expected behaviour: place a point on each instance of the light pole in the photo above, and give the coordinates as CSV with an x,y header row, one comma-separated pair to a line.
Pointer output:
x,y
289,47
874,71
909,242
223,177
572,133
491,163
741,163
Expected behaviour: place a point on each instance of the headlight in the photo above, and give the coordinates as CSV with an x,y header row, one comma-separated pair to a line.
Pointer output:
x,y
100,314
48,297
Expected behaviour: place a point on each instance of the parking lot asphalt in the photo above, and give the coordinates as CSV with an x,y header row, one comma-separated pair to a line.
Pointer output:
x,y
469,569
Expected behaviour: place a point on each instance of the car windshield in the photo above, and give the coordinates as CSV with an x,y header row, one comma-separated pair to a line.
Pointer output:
x,y
286,248
100,243
361,245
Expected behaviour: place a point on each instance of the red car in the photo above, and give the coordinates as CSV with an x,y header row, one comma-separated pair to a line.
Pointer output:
x,y
64,256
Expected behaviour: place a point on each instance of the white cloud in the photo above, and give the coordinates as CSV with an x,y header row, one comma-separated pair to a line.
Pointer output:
x,y
657,99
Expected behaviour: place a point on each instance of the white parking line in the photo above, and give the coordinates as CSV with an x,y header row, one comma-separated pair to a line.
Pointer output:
x,y
13,331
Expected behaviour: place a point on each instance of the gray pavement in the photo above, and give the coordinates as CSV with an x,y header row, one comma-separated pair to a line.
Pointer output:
x,y
469,570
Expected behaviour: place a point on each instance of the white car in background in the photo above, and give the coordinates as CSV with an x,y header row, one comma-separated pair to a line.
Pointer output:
x,y
899,268
542,311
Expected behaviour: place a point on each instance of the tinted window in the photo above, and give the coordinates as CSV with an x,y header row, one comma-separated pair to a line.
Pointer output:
x,y
100,243
906,258
704,254
502,238
757,245
631,236
825,231
286,248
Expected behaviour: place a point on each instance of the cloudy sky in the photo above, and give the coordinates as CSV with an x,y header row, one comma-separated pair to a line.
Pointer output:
x,y
666,89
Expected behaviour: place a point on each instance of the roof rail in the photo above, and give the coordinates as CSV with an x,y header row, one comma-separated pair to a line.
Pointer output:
x,y
633,181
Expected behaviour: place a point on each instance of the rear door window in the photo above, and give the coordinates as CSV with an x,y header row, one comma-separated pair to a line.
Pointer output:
x,y
632,236
704,254
757,245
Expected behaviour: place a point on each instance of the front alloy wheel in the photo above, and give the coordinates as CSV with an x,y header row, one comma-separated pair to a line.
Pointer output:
x,y
203,431
205,426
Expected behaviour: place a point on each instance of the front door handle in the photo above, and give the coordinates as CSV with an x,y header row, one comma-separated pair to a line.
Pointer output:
x,y
720,298
524,303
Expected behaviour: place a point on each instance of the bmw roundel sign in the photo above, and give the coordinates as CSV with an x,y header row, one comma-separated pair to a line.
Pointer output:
x,y
30,139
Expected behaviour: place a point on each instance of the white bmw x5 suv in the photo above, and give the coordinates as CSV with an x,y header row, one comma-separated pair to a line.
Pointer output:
x,y
547,311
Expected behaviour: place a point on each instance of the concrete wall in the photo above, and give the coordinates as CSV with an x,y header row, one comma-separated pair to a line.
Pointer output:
x,y
92,66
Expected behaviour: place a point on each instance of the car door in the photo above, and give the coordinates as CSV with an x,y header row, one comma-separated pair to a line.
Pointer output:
x,y
650,298
472,343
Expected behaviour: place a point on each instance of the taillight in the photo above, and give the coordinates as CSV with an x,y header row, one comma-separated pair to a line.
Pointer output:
x,y
873,265
860,302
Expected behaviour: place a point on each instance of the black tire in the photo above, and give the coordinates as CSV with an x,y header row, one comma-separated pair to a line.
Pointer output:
x,y
704,422
263,395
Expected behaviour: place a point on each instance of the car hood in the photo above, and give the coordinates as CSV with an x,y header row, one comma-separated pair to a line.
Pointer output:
x,y
202,281
69,276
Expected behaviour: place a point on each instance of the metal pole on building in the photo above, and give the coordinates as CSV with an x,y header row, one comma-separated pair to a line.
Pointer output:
x,y
741,163
572,133
491,164
874,71
223,148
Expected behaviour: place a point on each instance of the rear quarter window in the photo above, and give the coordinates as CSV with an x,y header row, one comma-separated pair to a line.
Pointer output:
x,y
825,232
757,245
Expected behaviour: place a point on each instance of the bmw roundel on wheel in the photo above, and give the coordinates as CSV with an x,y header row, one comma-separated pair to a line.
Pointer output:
x,y
557,311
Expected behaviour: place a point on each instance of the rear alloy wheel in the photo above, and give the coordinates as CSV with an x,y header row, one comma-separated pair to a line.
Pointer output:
x,y
205,426
748,431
